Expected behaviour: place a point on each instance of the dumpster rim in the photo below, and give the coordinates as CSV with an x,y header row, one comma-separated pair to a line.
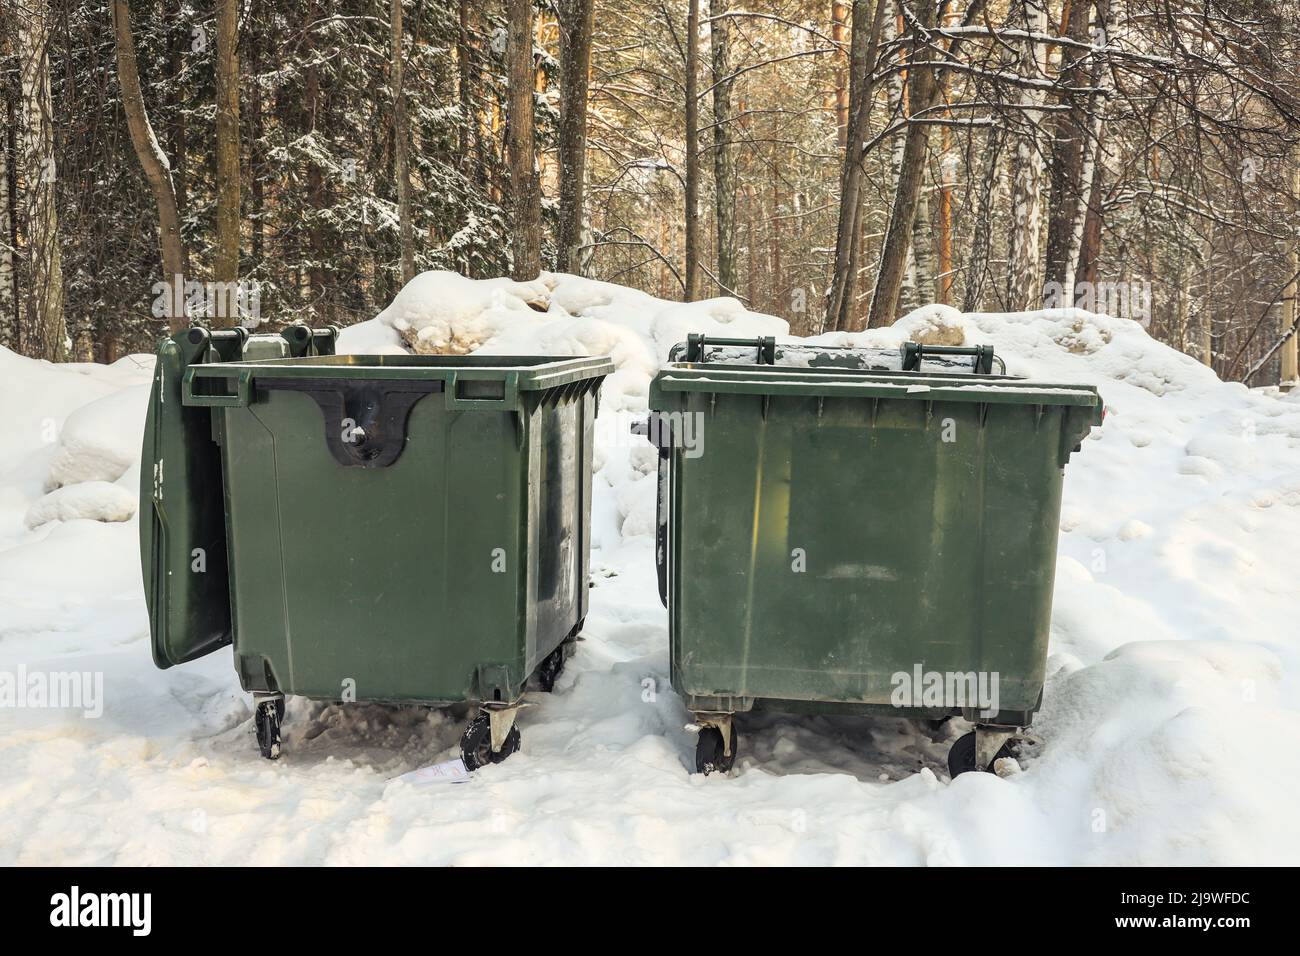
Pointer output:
x,y
747,380
531,372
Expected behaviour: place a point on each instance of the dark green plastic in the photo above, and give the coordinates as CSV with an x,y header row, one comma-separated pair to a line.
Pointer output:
x,y
914,550
443,567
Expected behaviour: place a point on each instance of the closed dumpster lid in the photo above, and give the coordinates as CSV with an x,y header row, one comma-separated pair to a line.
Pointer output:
x,y
934,373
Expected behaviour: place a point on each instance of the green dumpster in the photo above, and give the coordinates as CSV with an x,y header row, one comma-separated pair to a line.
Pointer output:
x,y
859,531
405,529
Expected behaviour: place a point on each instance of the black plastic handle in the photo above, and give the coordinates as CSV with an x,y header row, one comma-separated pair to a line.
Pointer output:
x,y
693,348
915,352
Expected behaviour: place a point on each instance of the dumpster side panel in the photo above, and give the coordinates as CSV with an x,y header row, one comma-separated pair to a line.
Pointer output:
x,y
559,501
402,580
820,548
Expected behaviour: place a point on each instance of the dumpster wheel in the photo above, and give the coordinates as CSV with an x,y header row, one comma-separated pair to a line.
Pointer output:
x,y
550,669
710,755
962,759
268,715
476,743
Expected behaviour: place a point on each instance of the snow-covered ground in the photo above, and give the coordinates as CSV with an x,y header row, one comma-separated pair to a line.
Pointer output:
x,y
1165,732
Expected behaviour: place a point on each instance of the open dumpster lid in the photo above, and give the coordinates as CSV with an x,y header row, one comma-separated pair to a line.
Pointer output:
x,y
182,517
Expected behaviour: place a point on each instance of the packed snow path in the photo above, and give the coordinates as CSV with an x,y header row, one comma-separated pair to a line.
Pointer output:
x,y
1165,730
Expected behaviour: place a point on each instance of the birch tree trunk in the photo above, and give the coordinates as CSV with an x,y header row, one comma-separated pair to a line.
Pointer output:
x,y
525,190
1205,324
922,286
225,263
154,162
898,107
401,169
577,19
692,185
724,160
1024,279
8,239
42,333
1288,373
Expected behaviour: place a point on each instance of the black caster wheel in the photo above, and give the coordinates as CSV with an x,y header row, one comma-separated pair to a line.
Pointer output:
x,y
476,743
267,719
708,751
961,755
550,669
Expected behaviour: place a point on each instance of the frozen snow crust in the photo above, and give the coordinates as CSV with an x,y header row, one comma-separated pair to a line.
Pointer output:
x,y
1165,726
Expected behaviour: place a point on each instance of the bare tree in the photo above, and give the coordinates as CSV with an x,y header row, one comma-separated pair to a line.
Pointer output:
x,y
724,160
977,273
400,161
1103,80
921,87
1024,279
692,184
226,257
8,235
154,162
43,333
864,54
1065,173
525,186
577,18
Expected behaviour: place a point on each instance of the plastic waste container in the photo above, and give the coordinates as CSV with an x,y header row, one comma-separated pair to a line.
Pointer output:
x,y
406,529
859,531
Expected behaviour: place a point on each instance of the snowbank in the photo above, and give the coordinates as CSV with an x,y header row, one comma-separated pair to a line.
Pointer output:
x,y
1174,651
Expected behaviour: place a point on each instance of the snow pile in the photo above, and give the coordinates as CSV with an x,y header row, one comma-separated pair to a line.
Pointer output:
x,y
75,449
554,315
1174,651
94,500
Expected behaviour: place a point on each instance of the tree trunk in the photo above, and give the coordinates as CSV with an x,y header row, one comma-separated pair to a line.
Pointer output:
x,y
977,274
577,18
1024,279
225,263
843,70
1288,374
1089,242
1205,327
724,160
401,170
470,150
156,168
43,333
922,289
894,251
178,47
1094,153
864,54
525,190
692,184
8,237
258,131
312,108
1069,145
